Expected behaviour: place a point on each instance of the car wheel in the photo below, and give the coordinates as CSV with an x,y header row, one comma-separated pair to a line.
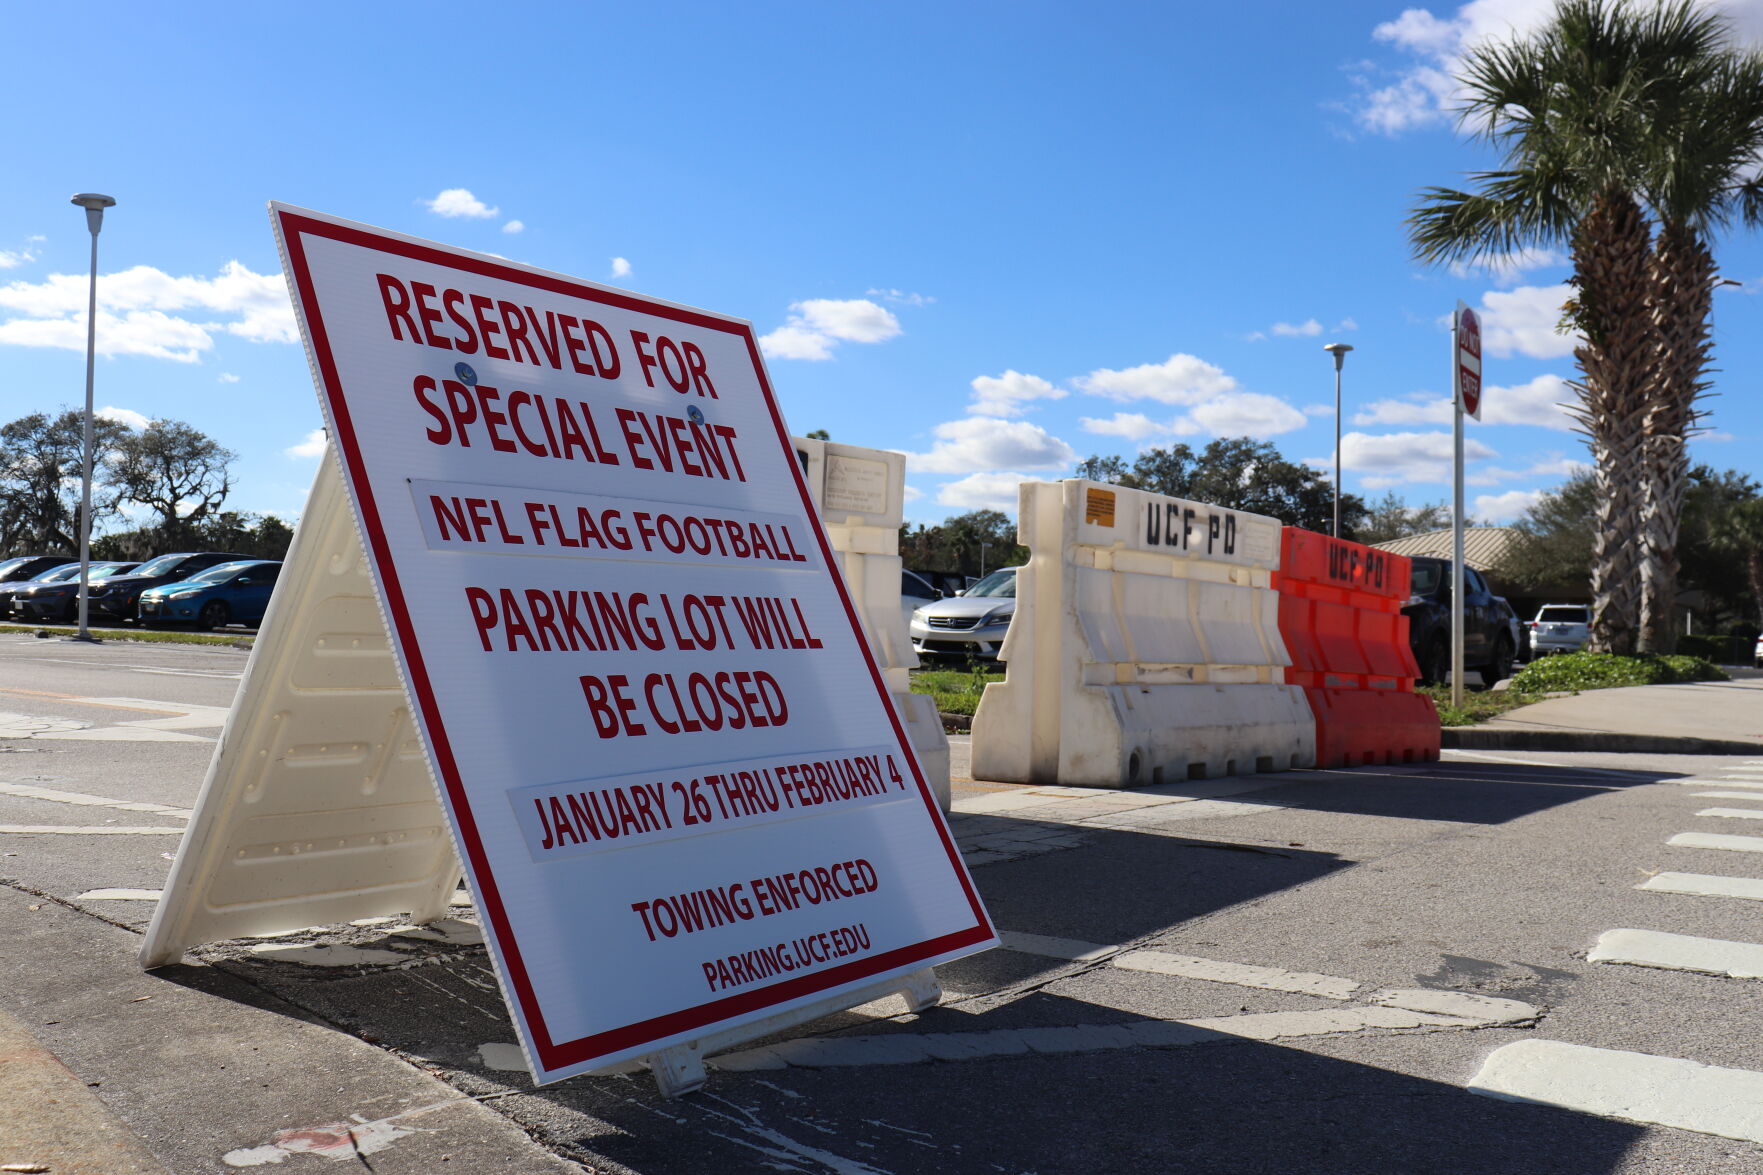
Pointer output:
x,y
1435,662
1500,668
214,615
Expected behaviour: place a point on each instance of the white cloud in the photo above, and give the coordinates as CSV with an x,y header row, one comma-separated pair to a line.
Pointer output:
x,y
1399,457
818,325
459,202
1507,268
1505,507
620,267
984,491
1180,379
227,377
901,297
1307,329
312,446
1423,92
796,342
132,306
1523,321
913,493
514,226
1346,324
1320,410
126,416
985,443
1009,394
13,258
1540,403
1134,426
1246,414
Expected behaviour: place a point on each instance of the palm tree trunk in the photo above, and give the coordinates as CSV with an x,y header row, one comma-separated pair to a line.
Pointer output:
x,y
1682,276
1610,251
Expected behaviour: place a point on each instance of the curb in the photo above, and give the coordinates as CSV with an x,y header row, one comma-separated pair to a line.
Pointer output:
x,y
1494,738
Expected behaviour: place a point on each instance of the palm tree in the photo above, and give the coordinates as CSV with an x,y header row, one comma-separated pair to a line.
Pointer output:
x,y
1604,113
1710,178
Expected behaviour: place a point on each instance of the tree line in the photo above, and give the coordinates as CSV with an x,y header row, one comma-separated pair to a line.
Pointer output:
x,y
168,472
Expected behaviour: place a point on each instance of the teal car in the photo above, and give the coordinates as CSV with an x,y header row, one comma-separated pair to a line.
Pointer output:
x,y
227,593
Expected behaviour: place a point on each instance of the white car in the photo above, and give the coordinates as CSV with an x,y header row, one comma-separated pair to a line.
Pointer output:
x,y
972,624
1560,628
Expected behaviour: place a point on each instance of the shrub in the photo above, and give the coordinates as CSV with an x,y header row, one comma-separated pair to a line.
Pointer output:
x,y
1583,671
1722,650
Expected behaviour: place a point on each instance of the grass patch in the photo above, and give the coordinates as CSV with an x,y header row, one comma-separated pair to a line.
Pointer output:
x,y
151,636
1568,673
957,691
1583,671
1478,705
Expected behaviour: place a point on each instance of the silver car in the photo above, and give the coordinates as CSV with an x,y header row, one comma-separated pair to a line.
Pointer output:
x,y
1560,628
972,624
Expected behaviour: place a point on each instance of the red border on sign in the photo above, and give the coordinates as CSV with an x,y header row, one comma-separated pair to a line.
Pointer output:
x,y
556,1055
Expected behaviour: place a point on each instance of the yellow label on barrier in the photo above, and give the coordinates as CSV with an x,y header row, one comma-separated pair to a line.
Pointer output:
x,y
1099,507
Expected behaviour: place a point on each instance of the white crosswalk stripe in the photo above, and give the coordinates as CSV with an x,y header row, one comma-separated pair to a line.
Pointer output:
x,y
1635,1087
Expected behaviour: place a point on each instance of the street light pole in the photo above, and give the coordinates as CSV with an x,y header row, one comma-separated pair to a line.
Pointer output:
x,y
94,204
1339,351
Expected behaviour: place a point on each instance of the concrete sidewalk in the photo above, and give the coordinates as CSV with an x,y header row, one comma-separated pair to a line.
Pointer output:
x,y
1694,718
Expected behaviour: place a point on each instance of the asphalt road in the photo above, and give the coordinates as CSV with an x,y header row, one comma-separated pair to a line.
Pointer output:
x,y
1301,972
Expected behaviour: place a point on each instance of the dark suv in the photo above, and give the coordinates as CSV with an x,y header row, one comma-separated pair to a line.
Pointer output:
x,y
1487,637
120,598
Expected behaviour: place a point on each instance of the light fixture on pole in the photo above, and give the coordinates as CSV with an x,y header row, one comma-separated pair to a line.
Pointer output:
x,y
1339,351
94,204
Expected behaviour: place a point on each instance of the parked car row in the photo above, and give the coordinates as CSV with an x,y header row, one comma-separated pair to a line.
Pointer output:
x,y
210,589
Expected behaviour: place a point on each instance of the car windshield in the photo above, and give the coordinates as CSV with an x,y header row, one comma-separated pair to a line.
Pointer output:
x,y
998,583
164,565
106,570
9,564
60,574
1560,615
219,573
1426,578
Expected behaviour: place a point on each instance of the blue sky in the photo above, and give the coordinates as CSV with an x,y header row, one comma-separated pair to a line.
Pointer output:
x,y
999,237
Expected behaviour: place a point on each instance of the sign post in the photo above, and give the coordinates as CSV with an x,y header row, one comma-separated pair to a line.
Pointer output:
x,y
686,807
1465,398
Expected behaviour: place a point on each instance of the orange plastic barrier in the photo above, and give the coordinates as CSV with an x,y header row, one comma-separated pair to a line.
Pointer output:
x,y
1340,615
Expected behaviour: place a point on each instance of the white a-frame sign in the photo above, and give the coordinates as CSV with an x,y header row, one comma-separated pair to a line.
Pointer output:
x,y
591,601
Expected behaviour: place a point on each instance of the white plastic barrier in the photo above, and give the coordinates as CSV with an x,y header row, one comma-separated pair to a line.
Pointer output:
x,y
861,494
1145,646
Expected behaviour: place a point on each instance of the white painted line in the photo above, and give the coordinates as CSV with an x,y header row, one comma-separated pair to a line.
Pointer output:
x,y
1170,813
1730,795
1273,1025
907,1049
1704,885
1717,781
1070,949
1268,978
1734,813
1483,1008
1717,840
26,791
1679,952
118,895
73,830
1635,1087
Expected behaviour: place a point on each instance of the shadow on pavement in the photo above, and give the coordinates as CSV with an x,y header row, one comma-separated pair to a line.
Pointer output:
x,y
1229,1106
1466,793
